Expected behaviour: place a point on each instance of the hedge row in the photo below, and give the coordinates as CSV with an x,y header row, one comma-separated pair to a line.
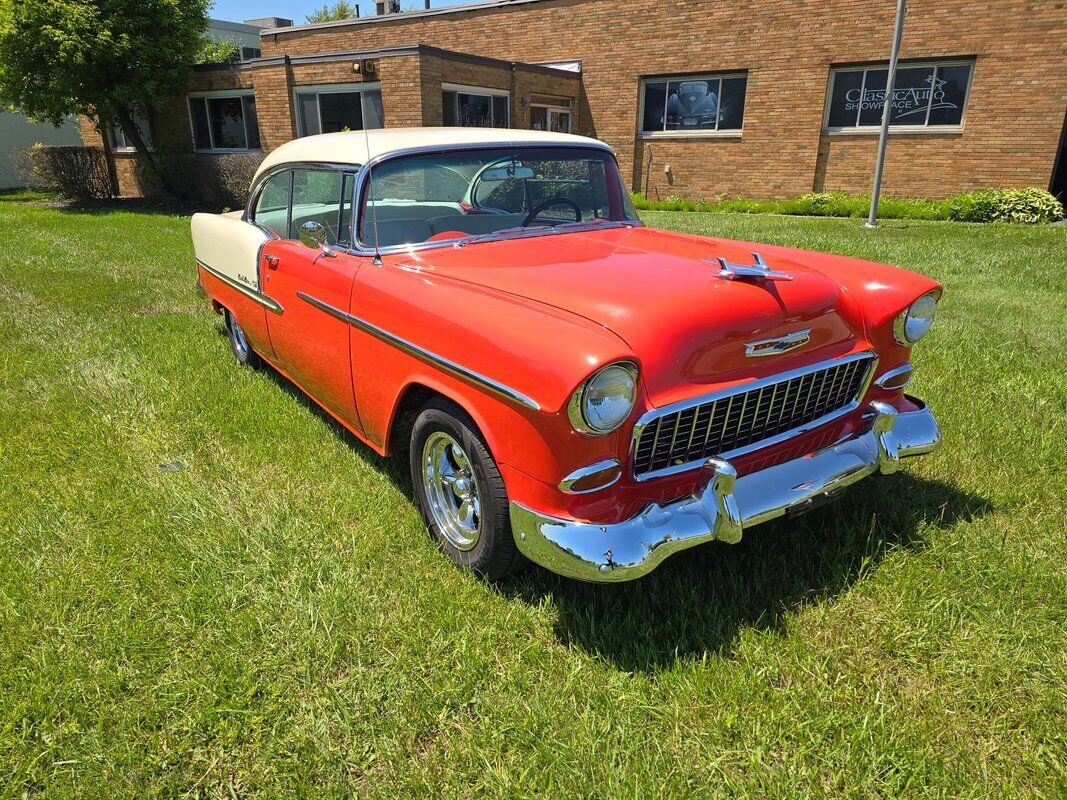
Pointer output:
x,y
987,205
81,173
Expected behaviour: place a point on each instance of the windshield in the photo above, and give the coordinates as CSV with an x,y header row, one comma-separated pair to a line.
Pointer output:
x,y
441,197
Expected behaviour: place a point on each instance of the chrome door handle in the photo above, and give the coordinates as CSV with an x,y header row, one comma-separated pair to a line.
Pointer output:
x,y
272,261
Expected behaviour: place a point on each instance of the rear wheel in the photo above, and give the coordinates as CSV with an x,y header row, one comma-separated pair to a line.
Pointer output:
x,y
242,350
460,491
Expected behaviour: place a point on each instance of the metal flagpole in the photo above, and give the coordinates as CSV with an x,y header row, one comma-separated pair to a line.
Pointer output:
x,y
883,136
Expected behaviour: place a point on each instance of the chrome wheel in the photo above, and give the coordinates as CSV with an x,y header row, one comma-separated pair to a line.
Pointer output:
x,y
237,336
451,490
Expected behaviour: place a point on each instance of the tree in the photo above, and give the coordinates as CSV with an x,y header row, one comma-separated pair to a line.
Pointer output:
x,y
109,59
340,10
220,52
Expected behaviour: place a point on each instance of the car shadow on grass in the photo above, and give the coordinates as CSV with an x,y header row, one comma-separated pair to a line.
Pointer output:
x,y
701,601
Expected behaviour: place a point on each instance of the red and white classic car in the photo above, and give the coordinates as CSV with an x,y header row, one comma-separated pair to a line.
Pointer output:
x,y
569,385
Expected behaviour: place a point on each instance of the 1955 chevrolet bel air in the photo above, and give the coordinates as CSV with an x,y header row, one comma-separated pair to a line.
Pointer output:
x,y
570,386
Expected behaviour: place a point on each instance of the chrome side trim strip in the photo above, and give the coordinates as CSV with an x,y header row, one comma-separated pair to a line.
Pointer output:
x,y
268,302
681,405
422,353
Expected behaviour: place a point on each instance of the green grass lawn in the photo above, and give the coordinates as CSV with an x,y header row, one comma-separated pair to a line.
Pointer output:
x,y
208,589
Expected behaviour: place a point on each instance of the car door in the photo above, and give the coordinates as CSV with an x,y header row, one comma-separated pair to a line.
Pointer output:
x,y
310,337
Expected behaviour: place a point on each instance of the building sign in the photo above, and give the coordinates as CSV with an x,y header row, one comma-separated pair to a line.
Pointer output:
x,y
929,95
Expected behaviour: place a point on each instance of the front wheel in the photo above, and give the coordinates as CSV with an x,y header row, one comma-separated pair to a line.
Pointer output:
x,y
461,493
242,350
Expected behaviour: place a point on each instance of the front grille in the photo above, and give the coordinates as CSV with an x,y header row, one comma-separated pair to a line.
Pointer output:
x,y
742,419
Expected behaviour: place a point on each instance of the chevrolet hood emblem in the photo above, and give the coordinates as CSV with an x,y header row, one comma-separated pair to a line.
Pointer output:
x,y
777,345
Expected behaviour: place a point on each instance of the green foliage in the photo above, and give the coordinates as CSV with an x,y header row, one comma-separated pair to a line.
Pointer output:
x,y
991,205
338,11
1006,205
217,52
72,172
104,58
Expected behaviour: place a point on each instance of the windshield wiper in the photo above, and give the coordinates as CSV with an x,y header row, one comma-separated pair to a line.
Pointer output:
x,y
481,237
540,228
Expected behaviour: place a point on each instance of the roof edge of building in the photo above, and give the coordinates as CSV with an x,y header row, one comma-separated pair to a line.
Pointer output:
x,y
430,12
383,52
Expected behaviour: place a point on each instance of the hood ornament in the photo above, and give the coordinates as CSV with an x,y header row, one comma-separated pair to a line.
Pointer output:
x,y
759,270
778,345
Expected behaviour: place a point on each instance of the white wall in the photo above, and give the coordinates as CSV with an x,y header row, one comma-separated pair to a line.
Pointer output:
x,y
16,132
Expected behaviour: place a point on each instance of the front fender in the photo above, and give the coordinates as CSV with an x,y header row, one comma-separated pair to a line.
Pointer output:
x,y
538,352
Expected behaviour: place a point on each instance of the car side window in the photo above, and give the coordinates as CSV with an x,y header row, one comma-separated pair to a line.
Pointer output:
x,y
272,205
318,196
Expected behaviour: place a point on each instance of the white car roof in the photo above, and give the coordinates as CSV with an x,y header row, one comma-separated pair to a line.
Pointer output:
x,y
358,147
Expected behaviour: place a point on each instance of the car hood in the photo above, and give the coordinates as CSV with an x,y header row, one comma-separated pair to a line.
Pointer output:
x,y
662,294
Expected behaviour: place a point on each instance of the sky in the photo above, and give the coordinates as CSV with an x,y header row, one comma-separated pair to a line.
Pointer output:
x,y
297,10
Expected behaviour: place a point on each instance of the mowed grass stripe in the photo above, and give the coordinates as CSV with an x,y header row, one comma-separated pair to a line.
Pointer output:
x,y
270,619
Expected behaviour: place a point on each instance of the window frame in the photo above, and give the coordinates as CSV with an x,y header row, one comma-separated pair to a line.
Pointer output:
x,y
348,180
554,108
359,88
729,133
350,177
221,94
867,130
129,148
479,91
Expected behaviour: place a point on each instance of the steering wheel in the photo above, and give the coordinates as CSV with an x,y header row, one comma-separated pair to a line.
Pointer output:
x,y
553,201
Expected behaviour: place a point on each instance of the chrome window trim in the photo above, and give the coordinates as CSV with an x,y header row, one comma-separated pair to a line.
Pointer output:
x,y
257,185
567,483
268,302
360,248
780,377
422,353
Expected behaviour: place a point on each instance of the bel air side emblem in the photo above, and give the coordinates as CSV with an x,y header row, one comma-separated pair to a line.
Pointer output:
x,y
777,345
758,270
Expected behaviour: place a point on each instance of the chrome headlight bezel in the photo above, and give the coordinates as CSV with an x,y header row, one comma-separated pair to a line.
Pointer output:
x,y
903,331
577,409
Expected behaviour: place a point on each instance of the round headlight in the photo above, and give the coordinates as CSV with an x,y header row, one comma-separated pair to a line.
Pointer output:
x,y
604,401
913,322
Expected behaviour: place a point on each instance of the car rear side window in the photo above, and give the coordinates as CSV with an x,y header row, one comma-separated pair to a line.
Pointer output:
x,y
272,205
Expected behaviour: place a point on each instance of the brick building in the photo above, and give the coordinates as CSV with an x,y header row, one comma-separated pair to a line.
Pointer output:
x,y
755,98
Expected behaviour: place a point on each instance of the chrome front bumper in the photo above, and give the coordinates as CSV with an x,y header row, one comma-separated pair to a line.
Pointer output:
x,y
725,506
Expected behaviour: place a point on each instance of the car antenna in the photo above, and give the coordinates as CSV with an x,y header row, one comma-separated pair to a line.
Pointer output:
x,y
377,260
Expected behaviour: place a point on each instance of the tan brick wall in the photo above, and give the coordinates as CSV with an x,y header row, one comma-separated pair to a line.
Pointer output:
x,y
1012,125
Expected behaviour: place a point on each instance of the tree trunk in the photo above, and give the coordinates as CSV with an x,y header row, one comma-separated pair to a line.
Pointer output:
x,y
109,158
148,158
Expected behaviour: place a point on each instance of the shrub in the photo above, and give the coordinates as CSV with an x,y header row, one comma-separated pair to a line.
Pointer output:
x,y
222,179
1006,205
71,171
989,205
230,177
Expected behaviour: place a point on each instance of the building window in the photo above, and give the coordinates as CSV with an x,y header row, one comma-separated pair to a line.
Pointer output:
x,y
120,143
341,107
474,107
548,114
693,105
929,95
248,53
224,122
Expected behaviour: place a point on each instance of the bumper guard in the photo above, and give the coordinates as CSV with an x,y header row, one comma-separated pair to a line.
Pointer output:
x,y
726,506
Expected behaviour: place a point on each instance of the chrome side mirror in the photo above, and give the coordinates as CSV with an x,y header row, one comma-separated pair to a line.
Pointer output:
x,y
313,235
